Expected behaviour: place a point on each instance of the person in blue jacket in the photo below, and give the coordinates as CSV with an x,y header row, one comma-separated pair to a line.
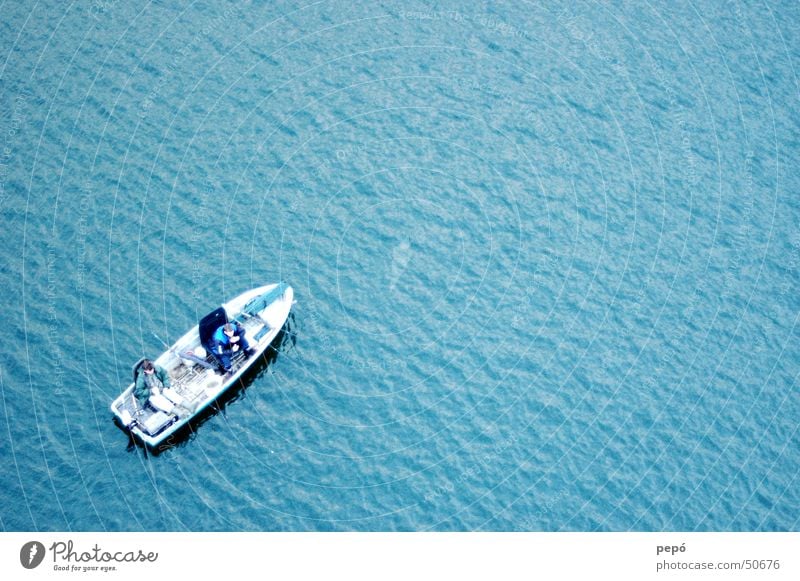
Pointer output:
x,y
228,340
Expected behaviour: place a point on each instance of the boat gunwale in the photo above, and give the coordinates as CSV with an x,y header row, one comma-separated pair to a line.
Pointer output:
x,y
232,308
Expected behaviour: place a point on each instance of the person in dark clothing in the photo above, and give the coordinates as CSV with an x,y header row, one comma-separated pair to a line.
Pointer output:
x,y
228,340
152,379
153,387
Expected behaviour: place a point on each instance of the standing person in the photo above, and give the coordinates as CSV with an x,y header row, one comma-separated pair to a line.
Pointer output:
x,y
227,341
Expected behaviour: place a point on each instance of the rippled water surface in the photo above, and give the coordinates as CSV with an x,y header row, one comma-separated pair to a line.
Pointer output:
x,y
546,257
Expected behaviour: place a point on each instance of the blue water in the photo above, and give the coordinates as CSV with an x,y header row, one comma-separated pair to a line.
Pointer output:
x,y
546,257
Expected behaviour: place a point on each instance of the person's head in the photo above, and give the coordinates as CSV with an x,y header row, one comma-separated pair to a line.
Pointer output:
x,y
147,366
229,330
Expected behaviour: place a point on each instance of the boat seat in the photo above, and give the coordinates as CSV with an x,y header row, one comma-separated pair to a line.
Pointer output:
x,y
156,422
207,326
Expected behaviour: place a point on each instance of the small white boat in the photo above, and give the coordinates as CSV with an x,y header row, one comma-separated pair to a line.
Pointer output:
x,y
195,378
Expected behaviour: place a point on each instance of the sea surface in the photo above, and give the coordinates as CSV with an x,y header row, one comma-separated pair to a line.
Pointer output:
x,y
546,258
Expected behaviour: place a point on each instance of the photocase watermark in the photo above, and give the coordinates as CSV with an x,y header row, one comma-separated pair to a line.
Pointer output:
x,y
9,135
67,557
101,8
53,323
453,15
31,554
171,67
486,21
196,237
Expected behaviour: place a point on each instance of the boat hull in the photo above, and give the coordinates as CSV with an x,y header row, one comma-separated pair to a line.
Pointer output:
x,y
196,385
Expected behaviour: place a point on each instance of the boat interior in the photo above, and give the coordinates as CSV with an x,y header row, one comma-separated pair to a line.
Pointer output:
x,y
195,376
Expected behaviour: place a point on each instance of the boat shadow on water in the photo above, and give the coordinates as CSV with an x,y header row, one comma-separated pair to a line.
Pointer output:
x,y
286,338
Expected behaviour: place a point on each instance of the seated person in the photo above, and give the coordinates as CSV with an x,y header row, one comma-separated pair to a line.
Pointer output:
x,y
227,341
153,387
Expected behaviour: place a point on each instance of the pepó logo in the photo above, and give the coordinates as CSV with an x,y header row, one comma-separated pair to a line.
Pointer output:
x,y
31,554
